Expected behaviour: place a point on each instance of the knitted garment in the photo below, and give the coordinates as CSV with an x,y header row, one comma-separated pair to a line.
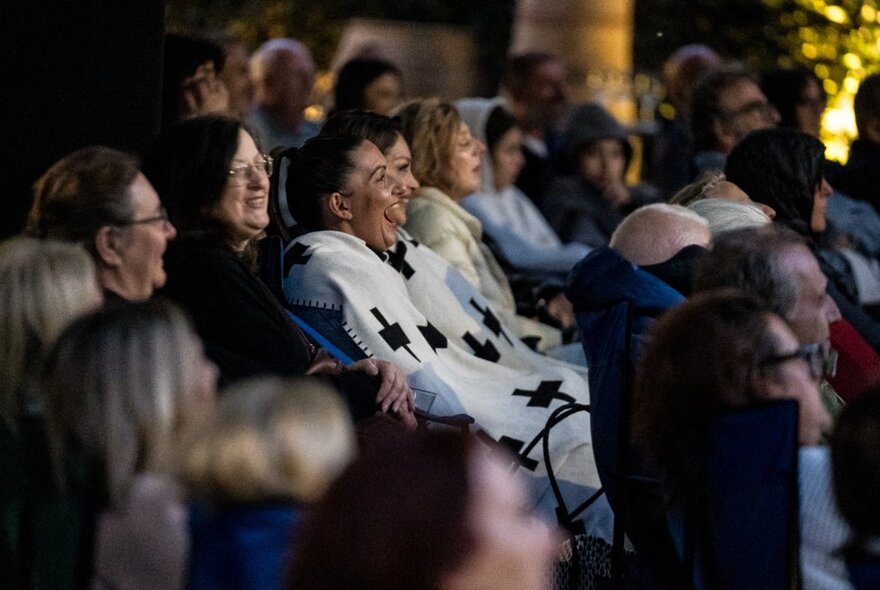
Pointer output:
x,y
458,357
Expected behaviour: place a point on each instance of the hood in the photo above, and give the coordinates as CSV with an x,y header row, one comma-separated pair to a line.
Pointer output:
x,y
591,122
475,112
604,277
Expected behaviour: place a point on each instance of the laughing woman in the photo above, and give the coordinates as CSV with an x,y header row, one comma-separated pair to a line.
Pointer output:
x,y
343,280
215,183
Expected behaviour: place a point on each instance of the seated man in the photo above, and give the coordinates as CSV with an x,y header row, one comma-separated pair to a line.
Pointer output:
x,y
860,178
191,83
660,239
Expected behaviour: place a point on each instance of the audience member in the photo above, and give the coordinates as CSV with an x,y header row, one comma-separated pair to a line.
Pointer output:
x,y
445,514
669,241
783,168
797,96
215,183
283,74
46,285
717,352
368,84
726,106
537,91
860,177
515,226
120,386
714,185
682,72
457,357
446,161
98,197
191,84
236,74
586,206
271,449
724,215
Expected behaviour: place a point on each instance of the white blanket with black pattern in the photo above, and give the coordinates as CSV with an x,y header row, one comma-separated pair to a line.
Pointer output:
x,y
403,308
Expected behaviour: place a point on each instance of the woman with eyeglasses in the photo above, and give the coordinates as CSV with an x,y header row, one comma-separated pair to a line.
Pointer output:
x,y
99,198
215,183
718,352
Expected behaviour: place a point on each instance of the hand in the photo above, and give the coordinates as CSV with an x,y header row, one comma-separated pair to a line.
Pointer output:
x,y
616,194
559,308
394,394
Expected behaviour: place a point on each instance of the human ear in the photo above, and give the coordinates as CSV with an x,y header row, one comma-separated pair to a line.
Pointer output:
x,y
339,206
107,246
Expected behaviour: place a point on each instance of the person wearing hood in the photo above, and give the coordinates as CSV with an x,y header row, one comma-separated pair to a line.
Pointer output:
x,y
519,231
587,206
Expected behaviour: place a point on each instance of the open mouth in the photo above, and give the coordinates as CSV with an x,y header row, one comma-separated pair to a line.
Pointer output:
x,y
395,214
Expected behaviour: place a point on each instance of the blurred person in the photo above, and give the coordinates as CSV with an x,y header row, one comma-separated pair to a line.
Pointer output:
x,y
726,105
46,285
368,84
518,230
191,82
723,350
682,72
215,182
283,74
714,185
345,281
447,163
724,215
588,205
266,454
798,97
120,386
445,513
860,177
98,197
668,241
536,89
236,74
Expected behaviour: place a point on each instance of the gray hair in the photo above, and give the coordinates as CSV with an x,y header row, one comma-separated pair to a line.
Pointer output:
x,y
752,260
725,215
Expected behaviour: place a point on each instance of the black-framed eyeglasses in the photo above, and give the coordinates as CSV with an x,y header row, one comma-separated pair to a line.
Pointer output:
x,y
162,216
761,107
821,365
241,174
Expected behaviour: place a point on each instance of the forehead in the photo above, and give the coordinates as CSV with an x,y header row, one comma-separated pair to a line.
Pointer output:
x,y
548,71
247,148
143,196
368,157
399,149
740,93
803,264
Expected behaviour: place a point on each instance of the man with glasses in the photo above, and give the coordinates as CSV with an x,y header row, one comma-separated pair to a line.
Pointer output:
x,y
727,105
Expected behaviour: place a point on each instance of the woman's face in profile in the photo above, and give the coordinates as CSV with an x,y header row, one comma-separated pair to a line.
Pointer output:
x,y
465,164
376,210
513,549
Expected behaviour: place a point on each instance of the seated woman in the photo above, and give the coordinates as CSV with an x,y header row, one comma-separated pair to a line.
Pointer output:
x,y
339,188
98,197
424,268
446,161
271,448
445,515
368,84
587,206
517,228
719,351
120,385
46,285
215,183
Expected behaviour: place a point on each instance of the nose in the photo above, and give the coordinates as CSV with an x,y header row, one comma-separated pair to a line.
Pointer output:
x,y
480,147
767,209
170,230
832,312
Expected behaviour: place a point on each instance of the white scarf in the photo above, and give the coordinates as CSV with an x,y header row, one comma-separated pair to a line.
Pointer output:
x,y
456,355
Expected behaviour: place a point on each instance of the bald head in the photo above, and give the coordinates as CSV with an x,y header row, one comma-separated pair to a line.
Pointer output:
x,y
283,73
655,233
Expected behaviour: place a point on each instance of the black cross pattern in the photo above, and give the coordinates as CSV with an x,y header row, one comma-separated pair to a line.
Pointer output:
x,y
294,256
433,336
485,351
490,321
397,260
542,397
511,444
393,334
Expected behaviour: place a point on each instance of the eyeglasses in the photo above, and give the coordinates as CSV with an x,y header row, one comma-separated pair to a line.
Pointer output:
x,y
820,364
241,174
162,216
763,108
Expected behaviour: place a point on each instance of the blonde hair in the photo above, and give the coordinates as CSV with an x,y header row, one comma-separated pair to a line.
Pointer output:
x,y
655,233
702,188
270,438
120,384
46,284
430,127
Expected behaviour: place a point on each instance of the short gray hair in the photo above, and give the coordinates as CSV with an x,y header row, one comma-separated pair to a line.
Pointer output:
x,y
725,215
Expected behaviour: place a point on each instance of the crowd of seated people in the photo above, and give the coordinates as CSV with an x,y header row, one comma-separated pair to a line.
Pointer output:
x,y
397,347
